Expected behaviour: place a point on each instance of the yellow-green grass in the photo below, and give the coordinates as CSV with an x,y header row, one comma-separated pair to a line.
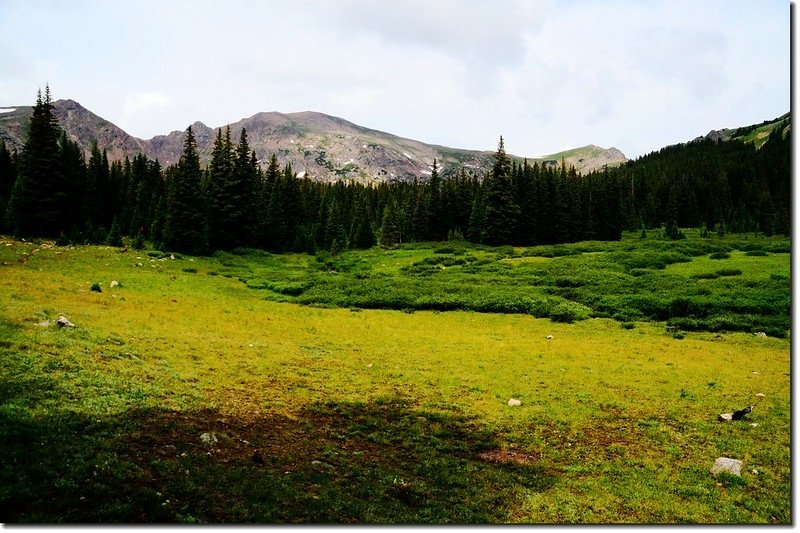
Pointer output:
x,y
337,415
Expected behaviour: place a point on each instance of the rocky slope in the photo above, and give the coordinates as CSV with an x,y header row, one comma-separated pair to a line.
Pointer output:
x,y
320,146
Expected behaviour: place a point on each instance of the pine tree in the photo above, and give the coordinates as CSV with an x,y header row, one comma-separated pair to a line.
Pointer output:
x,y
420,222
335,235
436,226
73,172
220,170
8,175
390,235
476,231
38,200
361,234
185,227
501,212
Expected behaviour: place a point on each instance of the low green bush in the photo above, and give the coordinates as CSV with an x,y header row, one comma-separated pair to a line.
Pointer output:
x,y
720,255
729,272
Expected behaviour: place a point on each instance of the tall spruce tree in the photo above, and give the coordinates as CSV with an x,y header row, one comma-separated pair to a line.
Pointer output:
x,y
8,175
185,228
218,191
390,226
38,202
501,211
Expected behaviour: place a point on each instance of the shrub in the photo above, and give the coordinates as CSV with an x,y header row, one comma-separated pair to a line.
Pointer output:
x,y
720,255
729,272
449,249
780,248
756,253
569,312
628,325
96,287
190,270
705,275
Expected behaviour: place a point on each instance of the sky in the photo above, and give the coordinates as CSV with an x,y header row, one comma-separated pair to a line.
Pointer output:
x,y
547,75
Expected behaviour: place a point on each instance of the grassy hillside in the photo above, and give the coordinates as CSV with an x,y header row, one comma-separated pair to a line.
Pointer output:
x,y
759,133
186,394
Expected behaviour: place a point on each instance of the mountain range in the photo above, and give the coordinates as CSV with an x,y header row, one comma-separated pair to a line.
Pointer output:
x,y
323,147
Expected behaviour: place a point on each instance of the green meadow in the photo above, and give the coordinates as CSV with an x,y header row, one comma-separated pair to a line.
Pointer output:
x,y
373,386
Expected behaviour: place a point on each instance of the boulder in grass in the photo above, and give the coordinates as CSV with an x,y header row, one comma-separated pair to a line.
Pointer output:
x,y
736,415
727,465
114,284
208,438
63,322
514,402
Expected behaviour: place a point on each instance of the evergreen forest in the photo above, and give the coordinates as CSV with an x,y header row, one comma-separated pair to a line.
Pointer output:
x,y
50,189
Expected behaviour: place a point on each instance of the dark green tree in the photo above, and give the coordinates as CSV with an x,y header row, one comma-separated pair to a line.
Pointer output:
x,y
501,212
8,175
390,235
185,228
38,203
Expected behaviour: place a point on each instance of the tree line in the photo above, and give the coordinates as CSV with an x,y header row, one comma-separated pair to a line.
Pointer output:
x,y
50,189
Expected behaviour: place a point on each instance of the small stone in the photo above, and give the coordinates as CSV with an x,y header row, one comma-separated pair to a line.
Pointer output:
x,y
753,424
549,337
514,402
114,284
208,438
754,471
761,395
172,257
725,417
63,322
727,465
756,373
761,334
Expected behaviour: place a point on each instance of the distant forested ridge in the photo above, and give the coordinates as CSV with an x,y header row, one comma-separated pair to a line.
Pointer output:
x,y
49,189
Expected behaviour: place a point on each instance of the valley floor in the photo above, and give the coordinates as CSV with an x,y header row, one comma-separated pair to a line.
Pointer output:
x,y
191,393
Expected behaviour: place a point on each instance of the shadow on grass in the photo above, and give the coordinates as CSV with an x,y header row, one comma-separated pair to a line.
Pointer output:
x,y
381,462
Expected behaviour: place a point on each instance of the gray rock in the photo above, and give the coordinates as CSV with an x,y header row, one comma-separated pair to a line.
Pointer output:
x,y
549,337
727,465
514,402
208,438
63,322
761,334
114,284
725,417
45,323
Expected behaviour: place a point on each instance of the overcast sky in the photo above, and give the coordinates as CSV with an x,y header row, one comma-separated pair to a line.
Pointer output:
x,y
547,75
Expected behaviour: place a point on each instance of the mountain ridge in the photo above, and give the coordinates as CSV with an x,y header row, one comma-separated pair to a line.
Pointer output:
x,y
324,147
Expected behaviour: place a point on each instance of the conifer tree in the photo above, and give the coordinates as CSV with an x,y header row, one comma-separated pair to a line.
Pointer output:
x,y
185,227
8,175
219,175
501,212
361,234
38,200
437,229
390,235
476,231
420,222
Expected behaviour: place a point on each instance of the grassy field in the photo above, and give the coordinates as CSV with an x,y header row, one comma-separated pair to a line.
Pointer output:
x,y
364,388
